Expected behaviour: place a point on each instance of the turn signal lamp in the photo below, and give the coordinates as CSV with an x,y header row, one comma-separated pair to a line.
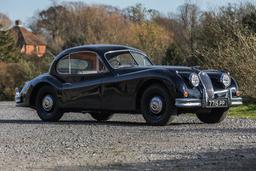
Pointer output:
x,y
185,93
238,93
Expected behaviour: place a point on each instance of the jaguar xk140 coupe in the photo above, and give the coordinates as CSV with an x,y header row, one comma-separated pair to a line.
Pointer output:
x,y
107,79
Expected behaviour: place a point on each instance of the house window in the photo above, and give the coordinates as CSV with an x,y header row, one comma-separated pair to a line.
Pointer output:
x,y
36,49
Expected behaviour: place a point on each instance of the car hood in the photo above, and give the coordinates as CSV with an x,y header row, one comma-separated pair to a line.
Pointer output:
x,y
185,69
174,68
165,67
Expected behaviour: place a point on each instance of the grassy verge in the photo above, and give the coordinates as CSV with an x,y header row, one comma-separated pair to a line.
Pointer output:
x,y
244,111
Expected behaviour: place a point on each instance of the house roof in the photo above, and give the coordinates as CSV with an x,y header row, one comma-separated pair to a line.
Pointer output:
x,y
23,36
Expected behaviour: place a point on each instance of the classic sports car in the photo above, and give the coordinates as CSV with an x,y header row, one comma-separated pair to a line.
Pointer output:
x,y
107,79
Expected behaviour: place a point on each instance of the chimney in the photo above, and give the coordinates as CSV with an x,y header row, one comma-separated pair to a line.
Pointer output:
x,y
18,23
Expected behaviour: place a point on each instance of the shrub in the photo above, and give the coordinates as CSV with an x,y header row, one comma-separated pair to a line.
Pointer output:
x,y
14,75
239,58
11,75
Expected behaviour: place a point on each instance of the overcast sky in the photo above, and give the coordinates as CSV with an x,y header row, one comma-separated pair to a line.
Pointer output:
x,y
24,9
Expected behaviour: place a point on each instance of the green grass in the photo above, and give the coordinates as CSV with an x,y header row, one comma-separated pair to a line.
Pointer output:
x,y
244,111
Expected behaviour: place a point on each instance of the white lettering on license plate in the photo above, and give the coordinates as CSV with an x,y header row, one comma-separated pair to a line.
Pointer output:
x,y
217,103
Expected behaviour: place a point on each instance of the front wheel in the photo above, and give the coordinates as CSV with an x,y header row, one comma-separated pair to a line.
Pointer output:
x,y
213,116
157,105
47,106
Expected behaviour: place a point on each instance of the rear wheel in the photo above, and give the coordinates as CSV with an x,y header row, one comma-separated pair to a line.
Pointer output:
x,y
157,106
47,106
213,116
101,116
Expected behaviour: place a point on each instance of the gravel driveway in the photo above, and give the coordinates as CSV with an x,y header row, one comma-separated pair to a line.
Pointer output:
x,y
123,143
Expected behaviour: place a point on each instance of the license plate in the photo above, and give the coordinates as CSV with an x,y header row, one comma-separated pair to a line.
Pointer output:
x,y
217,103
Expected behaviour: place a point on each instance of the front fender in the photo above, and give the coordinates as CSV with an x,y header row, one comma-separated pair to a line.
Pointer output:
x,y
165,77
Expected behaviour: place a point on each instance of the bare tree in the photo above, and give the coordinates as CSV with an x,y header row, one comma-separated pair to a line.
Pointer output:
x,y
188,17
5,22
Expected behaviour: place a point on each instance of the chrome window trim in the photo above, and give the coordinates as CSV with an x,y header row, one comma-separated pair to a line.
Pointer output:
x,y
56,67
125,50
145,56
97,56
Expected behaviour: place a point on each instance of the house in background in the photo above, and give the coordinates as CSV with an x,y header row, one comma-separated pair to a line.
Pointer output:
x,y
28,42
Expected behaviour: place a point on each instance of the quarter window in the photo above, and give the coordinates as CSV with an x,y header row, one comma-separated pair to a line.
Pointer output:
x,y
80,63
63,65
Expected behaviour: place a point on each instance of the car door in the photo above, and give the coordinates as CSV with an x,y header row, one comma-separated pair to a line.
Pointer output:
x,y
119,89
81,74
118,93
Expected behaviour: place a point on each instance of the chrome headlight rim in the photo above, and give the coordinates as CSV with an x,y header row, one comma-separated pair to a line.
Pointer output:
x,y
194,79
225,79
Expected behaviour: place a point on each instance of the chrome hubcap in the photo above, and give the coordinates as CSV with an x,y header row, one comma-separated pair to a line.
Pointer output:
x,y
47,103
156,105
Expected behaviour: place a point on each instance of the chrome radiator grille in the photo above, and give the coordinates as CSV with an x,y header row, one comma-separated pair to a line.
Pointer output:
x,y
207,84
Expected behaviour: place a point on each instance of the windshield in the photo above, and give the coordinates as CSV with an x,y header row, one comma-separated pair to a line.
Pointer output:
x,y
127,59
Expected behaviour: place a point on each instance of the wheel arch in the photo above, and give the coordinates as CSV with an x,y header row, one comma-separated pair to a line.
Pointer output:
x,y
36,88
168,84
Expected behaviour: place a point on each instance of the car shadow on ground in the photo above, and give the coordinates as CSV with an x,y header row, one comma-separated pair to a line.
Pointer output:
x,y
229,159
86,122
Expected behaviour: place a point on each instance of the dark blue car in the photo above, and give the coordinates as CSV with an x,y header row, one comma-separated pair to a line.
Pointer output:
x,y
107,79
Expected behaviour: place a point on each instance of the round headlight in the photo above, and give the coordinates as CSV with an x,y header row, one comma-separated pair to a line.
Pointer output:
x,y
225,79
194,79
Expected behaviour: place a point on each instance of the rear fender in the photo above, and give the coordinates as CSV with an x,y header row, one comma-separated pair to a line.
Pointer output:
x,y
38,83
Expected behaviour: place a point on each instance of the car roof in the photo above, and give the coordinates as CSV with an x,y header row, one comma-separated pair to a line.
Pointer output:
x,y
99,48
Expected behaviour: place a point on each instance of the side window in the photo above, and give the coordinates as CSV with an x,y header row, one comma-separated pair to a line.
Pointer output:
x,y
141,59
80,63
123,59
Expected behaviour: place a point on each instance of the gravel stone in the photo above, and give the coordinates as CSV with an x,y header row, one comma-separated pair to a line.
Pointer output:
x,y
125,142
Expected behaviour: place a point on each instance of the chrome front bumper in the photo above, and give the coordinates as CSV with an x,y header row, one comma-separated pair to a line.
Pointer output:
x,y
188,102
194,102
20,99
191,102
17,96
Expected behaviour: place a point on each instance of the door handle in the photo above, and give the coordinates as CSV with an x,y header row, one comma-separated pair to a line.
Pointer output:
x,y
67,84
